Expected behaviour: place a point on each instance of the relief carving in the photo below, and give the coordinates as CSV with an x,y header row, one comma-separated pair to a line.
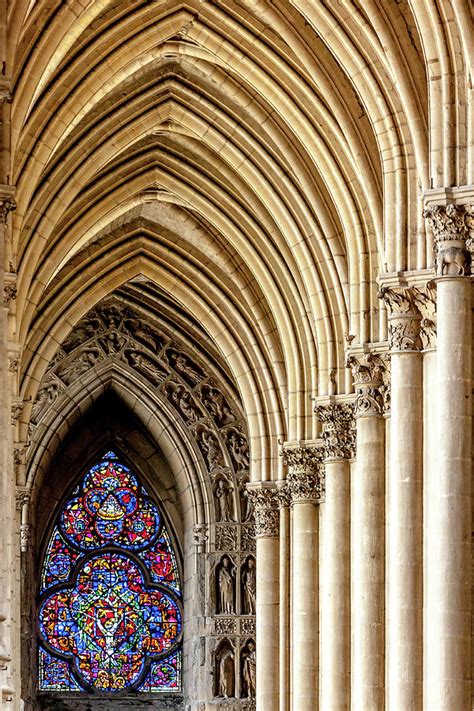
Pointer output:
x,y
84,331
226,538
238,449
46,395
152,370
248,537
210,448
183,401
183,365
112,343
144,334
216,405
84,361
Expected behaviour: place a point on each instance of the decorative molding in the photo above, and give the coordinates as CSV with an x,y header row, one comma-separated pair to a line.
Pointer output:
x,y
339,430
372,383
451,226
267,516
9,294
306,478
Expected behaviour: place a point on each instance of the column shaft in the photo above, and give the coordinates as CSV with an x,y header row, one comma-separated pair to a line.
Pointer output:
x,y
368,566
449,653
404,535
305,632
268,593
285,578
335,588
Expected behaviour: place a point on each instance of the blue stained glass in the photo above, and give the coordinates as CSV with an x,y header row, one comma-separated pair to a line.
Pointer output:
x,y
110,620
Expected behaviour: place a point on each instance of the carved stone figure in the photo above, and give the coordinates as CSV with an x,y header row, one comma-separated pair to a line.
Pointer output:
x,y
44,398
225,587
249,587
247,509
112,343
216,404
85,329
249,670
225,673
211,450
182,400
81,364
185,367
238,448
154,372
143,333
222,500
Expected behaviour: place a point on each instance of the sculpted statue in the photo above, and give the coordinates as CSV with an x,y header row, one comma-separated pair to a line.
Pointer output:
x,y
249,587
183,401
84,361
249,670
225,587
222,498
247,508
226,674
45,396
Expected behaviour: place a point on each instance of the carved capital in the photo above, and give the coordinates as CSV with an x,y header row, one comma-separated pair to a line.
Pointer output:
x,y
22,497
451,225
267,516
425,299
371,382
404,318
9,294
305,481
339,431
7,205
200,533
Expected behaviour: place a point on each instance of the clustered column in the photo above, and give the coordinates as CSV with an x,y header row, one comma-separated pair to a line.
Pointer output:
x,y
265,499
335,597
368,535
8,292
404,608
448,603
305,482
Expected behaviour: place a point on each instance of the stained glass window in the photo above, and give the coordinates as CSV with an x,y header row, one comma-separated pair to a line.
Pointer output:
x,y
110,609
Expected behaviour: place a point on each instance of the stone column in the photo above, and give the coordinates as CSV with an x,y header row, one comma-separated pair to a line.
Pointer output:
x,y
448,603
335,606
368,535
267,524
285,580
306,484
7,488
404,608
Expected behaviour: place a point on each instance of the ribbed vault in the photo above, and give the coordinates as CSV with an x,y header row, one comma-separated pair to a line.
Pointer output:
x,y
260,162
